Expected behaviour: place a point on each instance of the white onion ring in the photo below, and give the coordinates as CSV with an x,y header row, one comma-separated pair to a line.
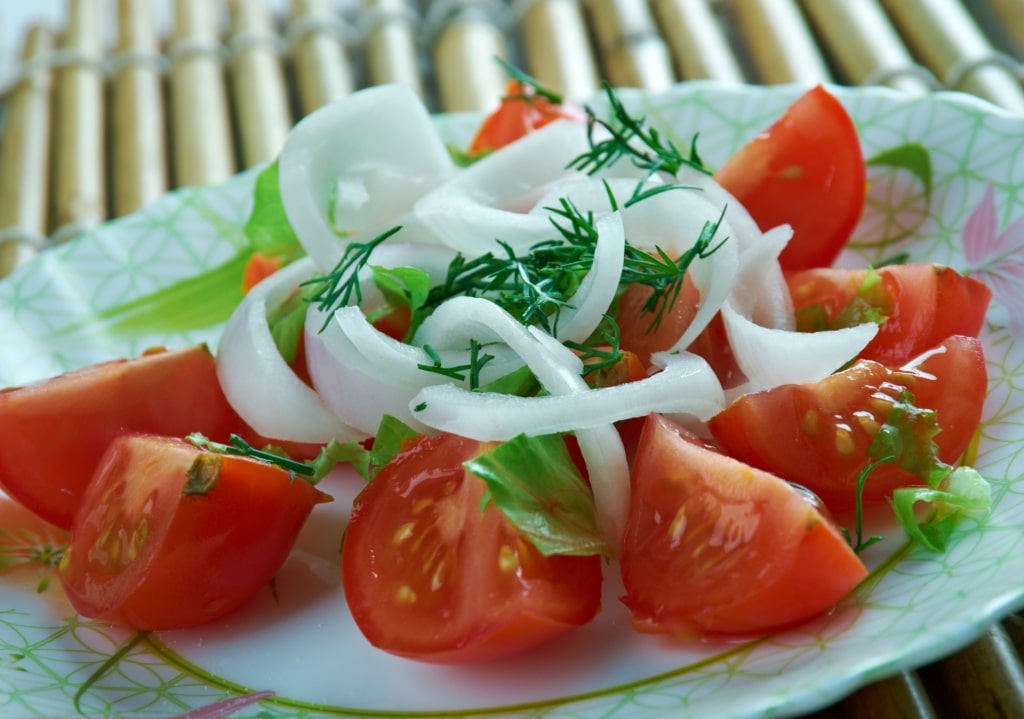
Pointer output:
x,y
256,380
686,386
488,201
373,154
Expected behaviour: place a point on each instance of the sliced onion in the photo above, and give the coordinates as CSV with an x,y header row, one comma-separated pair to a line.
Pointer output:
x,y
685,386
770,357
256,380
599,286
363,374
366,159
489,200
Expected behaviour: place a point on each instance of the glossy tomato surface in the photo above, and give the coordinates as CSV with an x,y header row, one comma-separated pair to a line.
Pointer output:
x,y
52,434
713,546
818,435
521,111
147,554
432,575
922,304
807,170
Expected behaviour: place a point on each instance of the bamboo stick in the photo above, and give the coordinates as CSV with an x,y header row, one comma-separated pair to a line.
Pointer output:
x,y
466,43
79,180
633,53
389,29
779,42
139,137
557,50
257,81
697,41
24,154
900,697
866,46
948,40
321,66
202,142
986,679
1010,14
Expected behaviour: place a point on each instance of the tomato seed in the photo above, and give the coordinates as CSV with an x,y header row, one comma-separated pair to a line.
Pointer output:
x,y
844,440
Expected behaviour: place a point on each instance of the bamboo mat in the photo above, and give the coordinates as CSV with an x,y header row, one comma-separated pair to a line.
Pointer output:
x,y
92,132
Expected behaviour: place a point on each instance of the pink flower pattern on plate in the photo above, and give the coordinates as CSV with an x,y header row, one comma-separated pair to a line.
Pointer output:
x,y
997,258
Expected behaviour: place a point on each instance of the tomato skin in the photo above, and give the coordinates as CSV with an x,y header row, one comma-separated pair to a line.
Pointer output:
x,y
713,546
817,435
521,112
806,170
919,305
145,555
431,576
638,332
55,432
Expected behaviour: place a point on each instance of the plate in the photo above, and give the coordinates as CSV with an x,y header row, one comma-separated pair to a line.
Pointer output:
x,y
946,184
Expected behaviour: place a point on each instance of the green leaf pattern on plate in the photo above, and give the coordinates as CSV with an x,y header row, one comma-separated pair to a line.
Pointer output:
x,y
914,608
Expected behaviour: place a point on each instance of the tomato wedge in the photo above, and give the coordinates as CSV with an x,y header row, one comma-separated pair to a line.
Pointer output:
x,y
713,546
54,433
922,303
430,575
521,111
806,170
818,435
170,536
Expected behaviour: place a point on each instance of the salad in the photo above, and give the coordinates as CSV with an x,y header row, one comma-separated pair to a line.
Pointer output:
x,y
583,352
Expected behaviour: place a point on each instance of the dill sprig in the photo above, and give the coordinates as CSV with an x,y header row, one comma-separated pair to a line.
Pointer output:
x,y
665,275
458,372
339,286
631,137
601,351
536,87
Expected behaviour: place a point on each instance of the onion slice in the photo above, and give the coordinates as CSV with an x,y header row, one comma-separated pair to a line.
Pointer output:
x,y
363,160
685,386
256,380
488,201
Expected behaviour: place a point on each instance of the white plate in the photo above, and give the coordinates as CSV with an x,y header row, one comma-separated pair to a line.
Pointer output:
x,y
74,306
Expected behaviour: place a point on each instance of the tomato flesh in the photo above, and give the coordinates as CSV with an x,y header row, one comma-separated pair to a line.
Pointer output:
x,y
429,575
144,554
807,170
818,435
55,432
521,112
923,304
714,546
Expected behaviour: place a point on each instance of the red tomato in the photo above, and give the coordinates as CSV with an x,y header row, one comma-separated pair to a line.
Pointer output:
x,y
54,433
806,170
924,304
713,546
521,112
818,435
638,331
431,576
146,554
258,268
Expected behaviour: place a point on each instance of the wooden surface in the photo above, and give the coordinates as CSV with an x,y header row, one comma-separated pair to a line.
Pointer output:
x,y
218,92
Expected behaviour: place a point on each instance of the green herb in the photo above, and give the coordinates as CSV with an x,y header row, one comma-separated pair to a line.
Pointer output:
x,y
341,285
313,470
631,138
534,481
665,275
602,351
287,321
459,372
907,440
392,435
532,83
